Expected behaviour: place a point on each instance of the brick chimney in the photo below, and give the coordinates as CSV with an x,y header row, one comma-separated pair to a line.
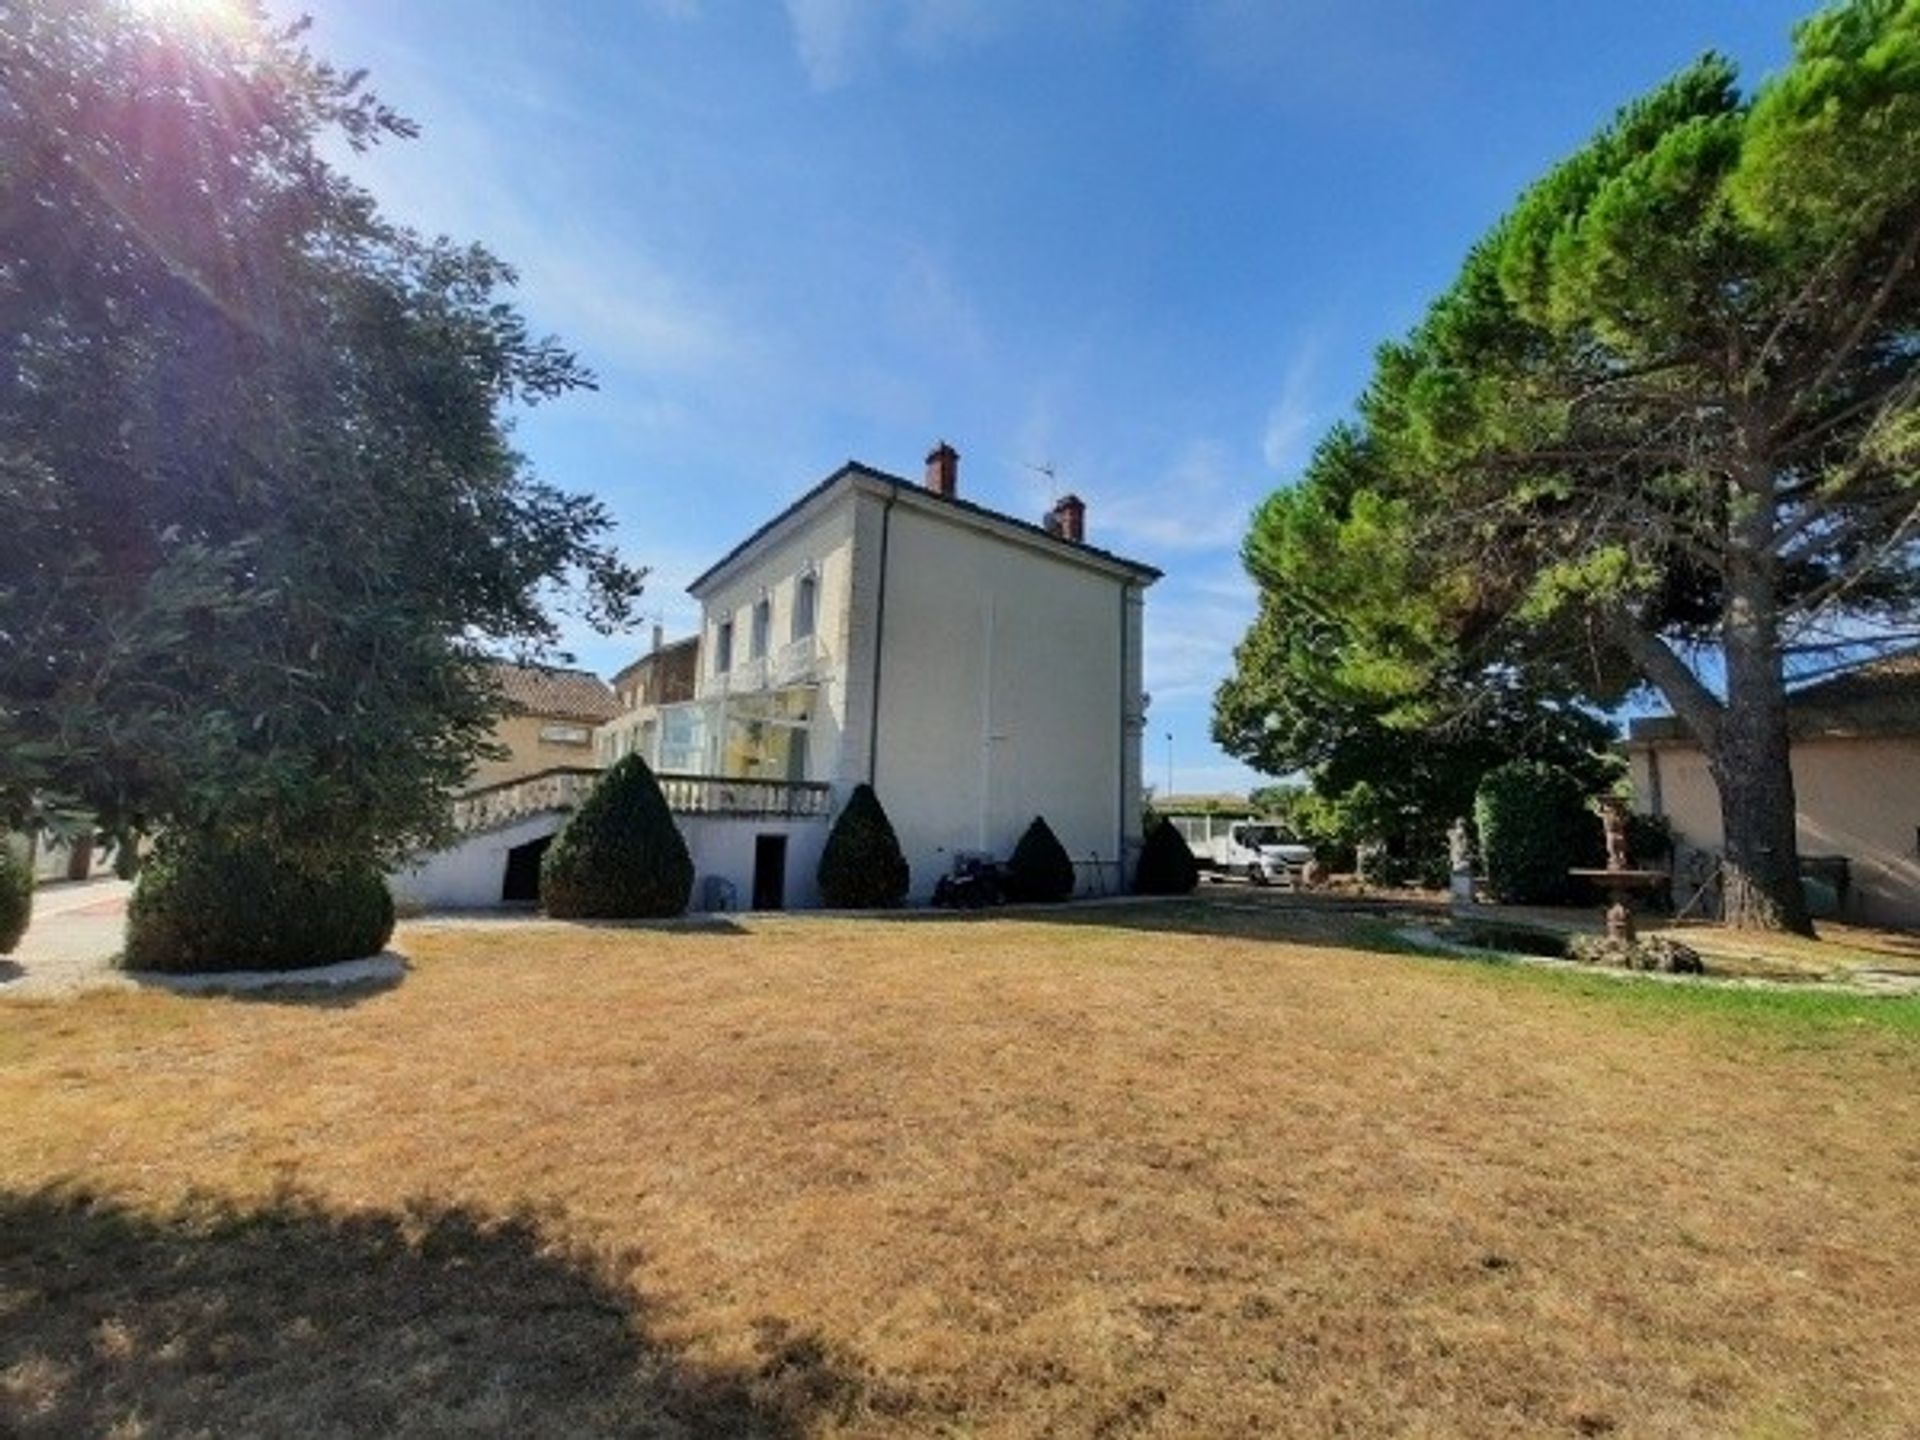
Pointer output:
x,y
943,470
1068,519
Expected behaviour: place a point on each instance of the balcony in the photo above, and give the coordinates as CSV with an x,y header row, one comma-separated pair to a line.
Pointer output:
x,y
758,799
563,789
798,662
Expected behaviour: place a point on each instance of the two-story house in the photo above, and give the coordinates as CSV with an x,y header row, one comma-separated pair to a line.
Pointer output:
x,y
975,668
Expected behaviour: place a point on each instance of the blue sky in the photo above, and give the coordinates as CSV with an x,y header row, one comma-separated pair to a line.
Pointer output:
x,y
1148,244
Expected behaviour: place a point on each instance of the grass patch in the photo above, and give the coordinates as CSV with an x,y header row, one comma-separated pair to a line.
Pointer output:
x,y
1172,1169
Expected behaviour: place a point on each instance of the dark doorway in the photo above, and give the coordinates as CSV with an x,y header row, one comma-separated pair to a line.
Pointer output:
x,y
523,871
769,872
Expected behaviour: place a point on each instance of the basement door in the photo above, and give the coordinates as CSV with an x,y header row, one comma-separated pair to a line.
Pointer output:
x,y
769,872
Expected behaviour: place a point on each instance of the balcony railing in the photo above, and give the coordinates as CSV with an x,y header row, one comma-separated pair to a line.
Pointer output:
x,y
564,788
764,799
797,662
510,800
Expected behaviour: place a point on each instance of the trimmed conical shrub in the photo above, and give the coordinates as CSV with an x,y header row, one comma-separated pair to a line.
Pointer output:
x,y
1040,869
16,891
620,857
203,904
862,866
1167,866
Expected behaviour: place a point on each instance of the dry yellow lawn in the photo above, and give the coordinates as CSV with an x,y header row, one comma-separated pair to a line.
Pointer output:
x,y
1184,1171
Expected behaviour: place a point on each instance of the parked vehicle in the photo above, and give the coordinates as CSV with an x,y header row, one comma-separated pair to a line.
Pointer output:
x,y
977,881
1261,851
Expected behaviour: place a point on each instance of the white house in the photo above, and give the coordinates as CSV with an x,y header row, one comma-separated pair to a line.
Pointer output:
x,y
976,669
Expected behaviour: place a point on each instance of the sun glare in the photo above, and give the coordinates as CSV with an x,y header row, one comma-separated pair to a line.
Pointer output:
x,y
209,14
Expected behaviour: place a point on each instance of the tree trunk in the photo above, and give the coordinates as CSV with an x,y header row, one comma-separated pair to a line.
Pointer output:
x,y
1751,762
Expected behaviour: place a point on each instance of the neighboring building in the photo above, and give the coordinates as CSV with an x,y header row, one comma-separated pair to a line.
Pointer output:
x,y
665,675
550,721
1856,780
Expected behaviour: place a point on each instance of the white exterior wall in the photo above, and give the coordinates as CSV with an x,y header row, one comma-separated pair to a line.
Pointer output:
x,y
723,845
1002,677
826,546
469,875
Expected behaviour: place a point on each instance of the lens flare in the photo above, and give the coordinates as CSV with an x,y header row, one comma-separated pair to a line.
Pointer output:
x,y
205,14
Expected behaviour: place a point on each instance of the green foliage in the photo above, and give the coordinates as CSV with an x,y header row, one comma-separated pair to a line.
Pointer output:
x,y
259,508
862,866
16,891
1040,870
1671,403
1534,826
1166,865
204,903
620,856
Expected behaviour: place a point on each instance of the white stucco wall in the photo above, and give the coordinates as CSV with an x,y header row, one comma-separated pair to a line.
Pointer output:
x,y
824,545
724,846
469,876
1001,698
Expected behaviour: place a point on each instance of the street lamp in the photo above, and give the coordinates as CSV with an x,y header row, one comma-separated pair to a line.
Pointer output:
x,y
1169,762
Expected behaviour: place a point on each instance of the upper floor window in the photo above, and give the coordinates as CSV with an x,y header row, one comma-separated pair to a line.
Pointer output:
x,y
762,623
723,648
805,597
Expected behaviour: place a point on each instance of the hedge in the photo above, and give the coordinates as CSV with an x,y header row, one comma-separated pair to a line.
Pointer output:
x,y
1040,870
620,857
1534,826
16,891
1167,866
862,866
203,904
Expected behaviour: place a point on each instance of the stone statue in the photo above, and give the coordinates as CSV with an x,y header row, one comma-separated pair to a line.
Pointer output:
x,y
1459,847
1460,859
1613,824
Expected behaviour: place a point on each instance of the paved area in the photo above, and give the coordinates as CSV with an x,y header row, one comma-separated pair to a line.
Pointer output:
x,y
71,942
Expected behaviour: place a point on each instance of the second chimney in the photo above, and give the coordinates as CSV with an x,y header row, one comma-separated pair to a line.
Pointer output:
x,y
943,470
1068,519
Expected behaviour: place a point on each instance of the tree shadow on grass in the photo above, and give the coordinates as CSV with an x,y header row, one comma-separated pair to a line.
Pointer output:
x,y
291,1319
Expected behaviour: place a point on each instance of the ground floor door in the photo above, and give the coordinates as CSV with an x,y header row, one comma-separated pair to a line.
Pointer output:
x,y
769,872
522,883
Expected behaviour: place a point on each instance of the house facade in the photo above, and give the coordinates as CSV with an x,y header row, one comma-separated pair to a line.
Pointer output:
x,y
1856,779
551,719
976,669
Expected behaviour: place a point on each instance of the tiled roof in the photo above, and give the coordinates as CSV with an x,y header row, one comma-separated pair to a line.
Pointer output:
x,y
1881,697
1066,549
549,690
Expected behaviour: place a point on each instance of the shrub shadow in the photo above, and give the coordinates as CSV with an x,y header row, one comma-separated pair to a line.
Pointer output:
x,y
292,1319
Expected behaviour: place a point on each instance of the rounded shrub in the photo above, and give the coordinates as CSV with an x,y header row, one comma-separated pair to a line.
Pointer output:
x,y
1040,871
1534,825
204,904
862,866
620,857
1167,866
16,891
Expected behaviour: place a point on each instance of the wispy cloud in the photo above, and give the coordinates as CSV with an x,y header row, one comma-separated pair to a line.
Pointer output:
x,y
827,35
1199,502
931,311
834,38
1292,421
1195,622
